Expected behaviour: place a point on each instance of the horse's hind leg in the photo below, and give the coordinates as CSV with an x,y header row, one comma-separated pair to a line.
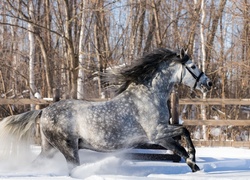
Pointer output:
x,y
67,146
47,150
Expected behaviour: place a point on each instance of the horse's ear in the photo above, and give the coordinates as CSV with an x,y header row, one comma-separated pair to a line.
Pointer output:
x,y
183,56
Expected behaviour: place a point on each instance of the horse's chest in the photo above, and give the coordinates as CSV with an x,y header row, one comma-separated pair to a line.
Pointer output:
x,y
151,115
152,110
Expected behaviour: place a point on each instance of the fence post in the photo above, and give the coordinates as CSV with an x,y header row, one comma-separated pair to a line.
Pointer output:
x,y
174,107
56,95
37,96
37,131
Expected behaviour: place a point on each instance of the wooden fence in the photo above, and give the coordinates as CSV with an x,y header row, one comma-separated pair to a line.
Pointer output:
x,y
213,122
25,101
187,122
226,122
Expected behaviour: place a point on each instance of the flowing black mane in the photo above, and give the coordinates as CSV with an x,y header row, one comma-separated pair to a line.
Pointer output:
x,y
143,68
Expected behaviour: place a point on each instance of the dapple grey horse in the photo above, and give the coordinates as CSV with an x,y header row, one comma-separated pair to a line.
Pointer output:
x,y
138,114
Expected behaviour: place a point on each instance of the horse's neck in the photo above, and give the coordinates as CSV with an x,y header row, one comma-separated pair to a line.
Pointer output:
x,y
164,80
160,87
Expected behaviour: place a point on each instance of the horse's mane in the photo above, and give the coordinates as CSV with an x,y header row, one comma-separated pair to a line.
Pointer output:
x,y
141,70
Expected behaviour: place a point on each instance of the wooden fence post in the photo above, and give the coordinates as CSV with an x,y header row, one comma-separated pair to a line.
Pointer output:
x,y
56,95
174,107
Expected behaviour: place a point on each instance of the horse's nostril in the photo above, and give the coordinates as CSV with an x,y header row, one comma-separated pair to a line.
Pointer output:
x,y
209,83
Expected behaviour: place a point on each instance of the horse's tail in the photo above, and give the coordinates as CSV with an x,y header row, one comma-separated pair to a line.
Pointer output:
x,y
17,133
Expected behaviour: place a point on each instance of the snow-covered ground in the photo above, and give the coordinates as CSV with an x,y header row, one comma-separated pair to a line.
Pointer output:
x,y
216,163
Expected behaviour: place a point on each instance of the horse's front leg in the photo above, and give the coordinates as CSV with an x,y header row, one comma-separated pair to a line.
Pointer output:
x,y
179,130
165,138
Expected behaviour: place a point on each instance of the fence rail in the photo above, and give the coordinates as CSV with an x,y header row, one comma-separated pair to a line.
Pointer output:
x,y
237,144
214,101
24,101
212,122
185,101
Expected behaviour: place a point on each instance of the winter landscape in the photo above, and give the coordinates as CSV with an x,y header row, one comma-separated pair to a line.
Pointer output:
x,y
215,163
61,49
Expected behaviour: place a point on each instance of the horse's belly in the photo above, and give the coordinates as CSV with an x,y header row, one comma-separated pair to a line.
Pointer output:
x,y
110,126
102,139
106,146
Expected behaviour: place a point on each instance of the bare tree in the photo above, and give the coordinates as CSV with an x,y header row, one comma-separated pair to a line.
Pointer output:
x,y
155,7
246,40
31,53
149,39
73,59
80,80
141,19
194,10
133,20
202,35
154,26
216,15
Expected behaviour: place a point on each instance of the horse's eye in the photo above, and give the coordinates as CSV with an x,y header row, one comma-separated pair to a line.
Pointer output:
x,y
193,66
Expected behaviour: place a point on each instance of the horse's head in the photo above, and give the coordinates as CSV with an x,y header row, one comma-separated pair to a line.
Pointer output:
x,y
192,76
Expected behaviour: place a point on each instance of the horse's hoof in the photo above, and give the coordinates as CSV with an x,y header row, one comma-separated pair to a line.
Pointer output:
x,y
192,165
195,168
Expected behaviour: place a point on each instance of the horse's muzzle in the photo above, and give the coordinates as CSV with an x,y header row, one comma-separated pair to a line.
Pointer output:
x,y
209,85
206,86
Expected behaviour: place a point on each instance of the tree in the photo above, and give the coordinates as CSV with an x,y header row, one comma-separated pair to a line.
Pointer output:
x,y
32,53
70,48
216,15
202,35
80,80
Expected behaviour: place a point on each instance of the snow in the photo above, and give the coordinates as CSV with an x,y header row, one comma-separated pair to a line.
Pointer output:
x,y
215,163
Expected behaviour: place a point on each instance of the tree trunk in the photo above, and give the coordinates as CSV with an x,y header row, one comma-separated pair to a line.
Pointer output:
x,y
31,56
202,35
101,40
222,57
212,32
15,61
150,33
246,41
80,80
48,75
195,16
73,60
46,48
132,37
142,12
155,7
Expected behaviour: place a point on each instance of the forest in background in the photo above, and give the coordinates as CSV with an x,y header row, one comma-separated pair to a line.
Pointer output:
x,y
67,44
